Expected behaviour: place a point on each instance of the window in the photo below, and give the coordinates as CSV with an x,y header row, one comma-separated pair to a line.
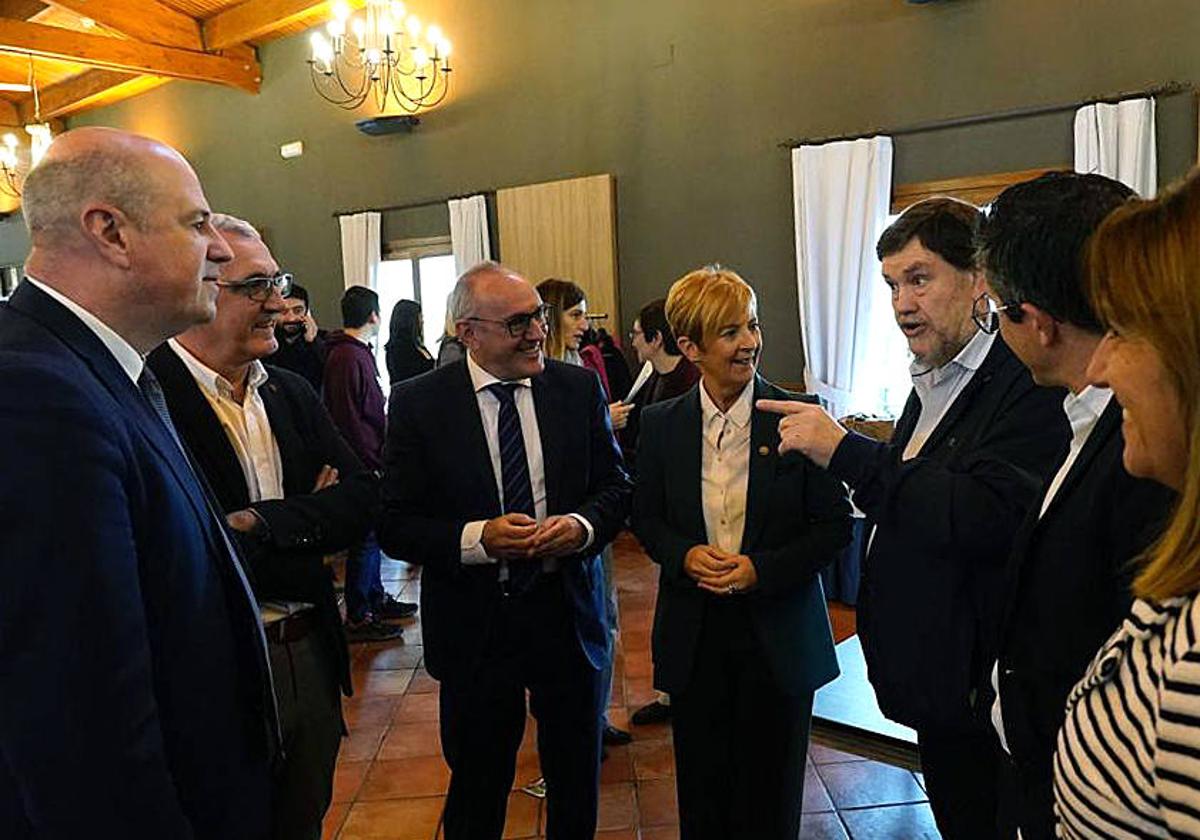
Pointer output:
x,y
420,270
883,387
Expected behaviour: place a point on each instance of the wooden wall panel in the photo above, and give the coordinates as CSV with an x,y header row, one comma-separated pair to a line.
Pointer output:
x,y
565,229
977,189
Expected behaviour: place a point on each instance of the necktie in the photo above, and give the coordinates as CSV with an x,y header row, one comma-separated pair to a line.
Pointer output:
x,y
514,476
148,384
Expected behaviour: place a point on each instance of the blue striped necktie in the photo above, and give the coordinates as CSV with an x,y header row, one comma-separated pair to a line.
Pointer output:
x,y
514,476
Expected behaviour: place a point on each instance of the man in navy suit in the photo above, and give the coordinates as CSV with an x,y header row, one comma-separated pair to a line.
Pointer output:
x,y
504,480
1078,544
137,699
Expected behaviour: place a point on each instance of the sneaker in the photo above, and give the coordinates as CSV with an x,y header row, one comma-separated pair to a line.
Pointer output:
x,y
536,788
390,609
653,712
371,629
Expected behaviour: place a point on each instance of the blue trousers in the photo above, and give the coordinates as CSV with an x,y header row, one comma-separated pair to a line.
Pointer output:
x,y
364,589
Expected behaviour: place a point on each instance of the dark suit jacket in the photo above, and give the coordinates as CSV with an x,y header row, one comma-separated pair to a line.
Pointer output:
x,y
933,579
1068,588
797,518
287,561
439,477
134,675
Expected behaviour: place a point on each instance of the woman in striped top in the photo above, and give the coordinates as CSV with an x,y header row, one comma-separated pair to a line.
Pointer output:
x,y
1128,759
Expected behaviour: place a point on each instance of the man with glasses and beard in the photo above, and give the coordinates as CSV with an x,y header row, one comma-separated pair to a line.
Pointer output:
x,y
504,481
970,453
301,343
292,490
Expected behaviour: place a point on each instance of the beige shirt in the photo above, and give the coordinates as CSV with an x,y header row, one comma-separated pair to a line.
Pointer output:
x,y
725,468
245,424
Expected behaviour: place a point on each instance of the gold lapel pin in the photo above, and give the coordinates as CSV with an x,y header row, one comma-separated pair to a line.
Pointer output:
x,y
764,450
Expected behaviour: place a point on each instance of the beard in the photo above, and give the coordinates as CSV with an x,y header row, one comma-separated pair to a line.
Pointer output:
x,y
289,332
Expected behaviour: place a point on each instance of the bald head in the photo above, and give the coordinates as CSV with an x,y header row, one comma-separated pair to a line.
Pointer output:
x,y
121,226
90,166
474,284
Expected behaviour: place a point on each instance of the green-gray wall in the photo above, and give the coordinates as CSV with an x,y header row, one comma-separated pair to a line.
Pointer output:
x,y
685,102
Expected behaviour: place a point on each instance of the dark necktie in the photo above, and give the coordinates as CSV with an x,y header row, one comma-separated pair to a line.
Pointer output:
x,y
514,476
148,384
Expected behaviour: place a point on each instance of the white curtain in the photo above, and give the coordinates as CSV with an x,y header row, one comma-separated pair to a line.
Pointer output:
x,y
1118,140
842,194
361,251
469,232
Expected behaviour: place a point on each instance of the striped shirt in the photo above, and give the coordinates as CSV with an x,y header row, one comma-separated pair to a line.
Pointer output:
x,y
1128,760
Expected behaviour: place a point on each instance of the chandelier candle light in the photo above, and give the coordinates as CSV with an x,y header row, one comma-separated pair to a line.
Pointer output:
x,y
379,52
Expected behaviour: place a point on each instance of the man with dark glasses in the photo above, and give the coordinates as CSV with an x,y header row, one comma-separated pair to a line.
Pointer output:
x,y
1070,570
292,491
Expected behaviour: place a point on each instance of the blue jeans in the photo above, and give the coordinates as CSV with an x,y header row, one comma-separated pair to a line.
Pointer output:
x,y
610,601
364,589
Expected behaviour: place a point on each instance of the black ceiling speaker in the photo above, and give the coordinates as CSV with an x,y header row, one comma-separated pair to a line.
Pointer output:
x,y
391,124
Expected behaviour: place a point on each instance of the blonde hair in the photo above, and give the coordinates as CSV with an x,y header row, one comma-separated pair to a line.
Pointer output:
x,y
1143,278
702,300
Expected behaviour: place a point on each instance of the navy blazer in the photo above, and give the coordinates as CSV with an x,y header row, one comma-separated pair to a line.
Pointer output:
x,y
797,518
439,477
135,698
933,580
1069,589
301,528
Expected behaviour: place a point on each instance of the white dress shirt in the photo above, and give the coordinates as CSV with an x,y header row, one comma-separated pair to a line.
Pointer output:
x,y
1083,411
471,540
940,387
129,359
725,468
245,424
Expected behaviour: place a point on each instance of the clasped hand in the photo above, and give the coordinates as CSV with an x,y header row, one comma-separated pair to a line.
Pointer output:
x,y
718,571
515,536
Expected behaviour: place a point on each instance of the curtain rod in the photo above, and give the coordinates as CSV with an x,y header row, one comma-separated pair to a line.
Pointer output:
x,y
414,205
1168,89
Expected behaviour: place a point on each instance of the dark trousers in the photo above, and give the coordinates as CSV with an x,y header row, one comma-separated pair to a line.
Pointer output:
x,y
532,647
1026,800
364,589
740,743
310,717
961,770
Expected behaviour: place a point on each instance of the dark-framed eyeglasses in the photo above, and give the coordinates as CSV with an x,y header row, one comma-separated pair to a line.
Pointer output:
x,y
518,325
260,286
985,312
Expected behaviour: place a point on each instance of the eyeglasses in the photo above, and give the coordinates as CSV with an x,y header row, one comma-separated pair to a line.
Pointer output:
x,y
634,334
518,325
985,312
260,286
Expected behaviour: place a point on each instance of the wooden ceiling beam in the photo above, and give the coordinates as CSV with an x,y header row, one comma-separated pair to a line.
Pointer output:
x,y
20,9
130,56
253,19
73,94
142,20
9,114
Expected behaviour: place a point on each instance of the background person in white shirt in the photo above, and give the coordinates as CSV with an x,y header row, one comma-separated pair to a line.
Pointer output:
x,y
741,633
1069,575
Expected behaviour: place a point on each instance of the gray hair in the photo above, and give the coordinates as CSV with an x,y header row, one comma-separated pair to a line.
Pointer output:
x,y
462,300
57,189
226,223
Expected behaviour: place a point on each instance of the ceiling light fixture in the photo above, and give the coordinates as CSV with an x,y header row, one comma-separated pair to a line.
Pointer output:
x,y
380,53
11,175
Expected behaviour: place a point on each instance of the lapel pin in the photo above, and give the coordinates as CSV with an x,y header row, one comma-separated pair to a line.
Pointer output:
x,y
764,450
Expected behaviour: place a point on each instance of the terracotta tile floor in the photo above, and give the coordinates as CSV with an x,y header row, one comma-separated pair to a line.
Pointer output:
x,y
391,780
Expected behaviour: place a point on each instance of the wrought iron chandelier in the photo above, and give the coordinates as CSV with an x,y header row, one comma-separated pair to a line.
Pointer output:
x,y
379,53
12,175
